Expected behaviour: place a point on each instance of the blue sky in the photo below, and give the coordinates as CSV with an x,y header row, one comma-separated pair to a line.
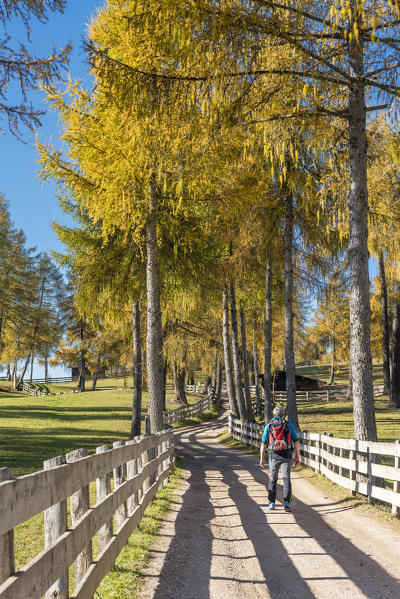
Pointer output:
x,y
32,205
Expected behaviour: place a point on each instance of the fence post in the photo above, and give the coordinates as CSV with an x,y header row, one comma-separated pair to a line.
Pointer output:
x,y
327,395
7,563
318,444
119,478
370,480
55,524
146,454
79,505
131,472
103,488
396,484
353,456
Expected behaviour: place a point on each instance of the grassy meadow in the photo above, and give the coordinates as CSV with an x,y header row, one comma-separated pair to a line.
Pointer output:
x,y
33,429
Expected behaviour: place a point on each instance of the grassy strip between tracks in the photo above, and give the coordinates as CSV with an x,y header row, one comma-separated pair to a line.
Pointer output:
x,y
380,512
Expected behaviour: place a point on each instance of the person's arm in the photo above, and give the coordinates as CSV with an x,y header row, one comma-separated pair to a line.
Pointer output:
x,y
297,448
262,455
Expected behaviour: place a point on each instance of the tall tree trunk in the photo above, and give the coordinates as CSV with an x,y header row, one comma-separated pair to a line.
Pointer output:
x,y
32,362
179,376
83,362
349,390
245,359
268,343
8,371
395,384
46,366
154,344
289,333
385,326
14,373
137,371
236,356
333,363
95,375
360,316
165,367
255,370
209,381
19,380
228,356
218,389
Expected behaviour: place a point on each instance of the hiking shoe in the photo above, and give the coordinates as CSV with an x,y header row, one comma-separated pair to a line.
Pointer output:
x,y
286,506
271,506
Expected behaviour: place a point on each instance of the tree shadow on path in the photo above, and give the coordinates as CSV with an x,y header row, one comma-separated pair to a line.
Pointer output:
x,y
188,568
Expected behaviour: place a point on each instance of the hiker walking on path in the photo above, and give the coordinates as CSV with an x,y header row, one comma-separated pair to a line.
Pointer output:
x,y
281,439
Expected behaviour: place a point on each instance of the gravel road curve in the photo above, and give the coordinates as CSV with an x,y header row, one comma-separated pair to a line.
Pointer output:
x,y
221,542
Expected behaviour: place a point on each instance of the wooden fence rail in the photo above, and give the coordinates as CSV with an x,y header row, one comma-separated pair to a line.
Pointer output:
x,y
334,394
139,468
184,412
365,467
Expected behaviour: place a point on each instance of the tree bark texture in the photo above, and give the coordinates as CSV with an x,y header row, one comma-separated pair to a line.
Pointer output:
x,y
32,363
179,376
46,367
395,384
349,390
19,380
137,371
218,390
236,355
82,376
154,345
268,343
228,356
385,326
333,363
256,371
288,301
360,315
209,381
245,359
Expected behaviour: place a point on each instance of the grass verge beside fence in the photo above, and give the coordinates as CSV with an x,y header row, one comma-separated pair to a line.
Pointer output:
x,y
125,579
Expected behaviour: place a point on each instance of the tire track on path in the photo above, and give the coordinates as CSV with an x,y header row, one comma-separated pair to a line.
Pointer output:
x,y
220,541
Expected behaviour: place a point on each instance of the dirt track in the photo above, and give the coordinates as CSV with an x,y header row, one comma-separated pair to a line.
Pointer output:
x,y
221,542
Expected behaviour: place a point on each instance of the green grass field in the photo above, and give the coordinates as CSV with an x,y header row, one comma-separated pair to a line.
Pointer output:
x,y
322,372
33,429
337,418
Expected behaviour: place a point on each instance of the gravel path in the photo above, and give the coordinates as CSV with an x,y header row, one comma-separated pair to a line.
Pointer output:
x,y
221,542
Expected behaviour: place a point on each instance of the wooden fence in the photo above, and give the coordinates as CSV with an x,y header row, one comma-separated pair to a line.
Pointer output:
x,y
334,394
372,469
139,468
184,412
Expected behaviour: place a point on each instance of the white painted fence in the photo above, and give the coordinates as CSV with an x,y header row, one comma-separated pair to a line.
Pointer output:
x,y
184,412
349,463
139,468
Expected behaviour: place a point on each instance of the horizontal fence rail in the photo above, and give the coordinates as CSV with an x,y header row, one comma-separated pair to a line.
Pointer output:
x,y
334,394
369,468
184,412
139,468
32,391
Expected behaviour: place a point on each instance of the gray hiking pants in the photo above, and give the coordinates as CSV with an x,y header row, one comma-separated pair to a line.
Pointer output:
x,y
275,462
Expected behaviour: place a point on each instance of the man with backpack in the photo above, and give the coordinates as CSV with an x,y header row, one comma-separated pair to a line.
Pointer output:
x,y
281,439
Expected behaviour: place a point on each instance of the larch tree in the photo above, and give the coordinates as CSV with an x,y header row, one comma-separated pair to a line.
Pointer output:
x,y
21,67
